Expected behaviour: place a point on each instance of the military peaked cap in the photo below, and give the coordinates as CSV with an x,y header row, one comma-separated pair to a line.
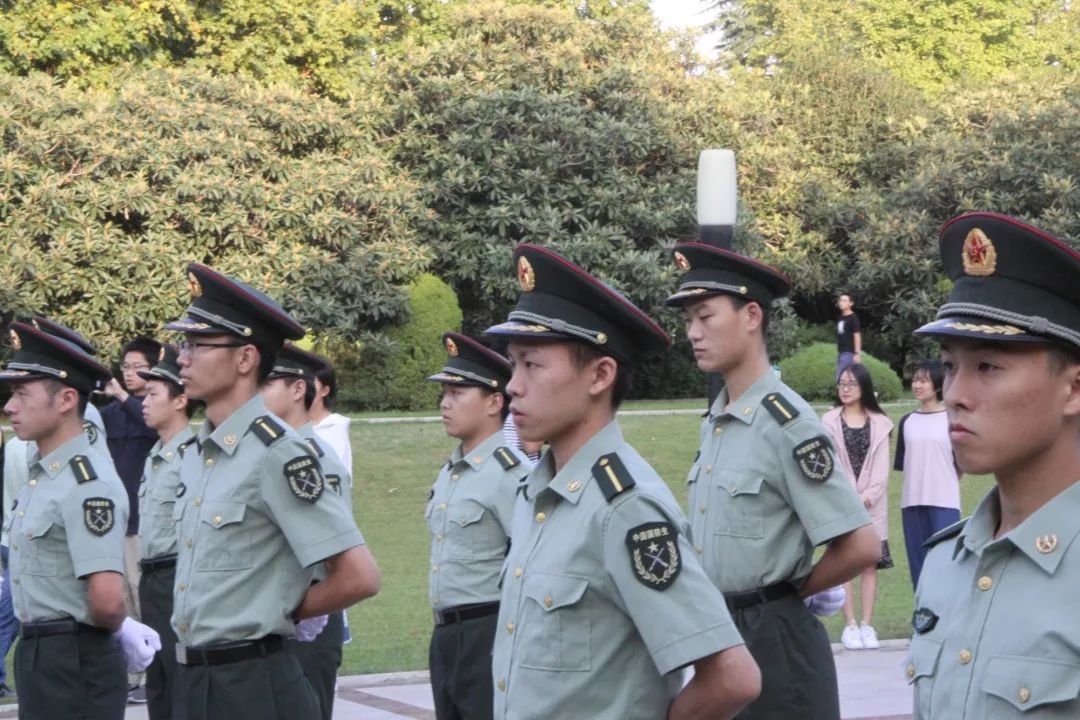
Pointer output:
x,y
472,363
40,355
292,363
167,367
709,270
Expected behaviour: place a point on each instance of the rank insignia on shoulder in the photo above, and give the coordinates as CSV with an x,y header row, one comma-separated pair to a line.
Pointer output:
x,y
182,448
945,533
611,475
315,447
84,471
305,478
99,515
778,406
654,554
815,459
506,458
266,429
334,482
923,620
91,431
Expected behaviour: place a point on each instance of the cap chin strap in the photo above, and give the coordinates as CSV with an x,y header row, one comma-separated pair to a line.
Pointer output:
x,y
241,330
1031,323
560,326
472,376
39,369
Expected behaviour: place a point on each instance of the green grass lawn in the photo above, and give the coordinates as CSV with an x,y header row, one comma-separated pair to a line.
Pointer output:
x,y
395,465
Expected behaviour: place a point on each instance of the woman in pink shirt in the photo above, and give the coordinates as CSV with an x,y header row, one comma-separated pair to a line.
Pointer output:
x,y
930,497
860,431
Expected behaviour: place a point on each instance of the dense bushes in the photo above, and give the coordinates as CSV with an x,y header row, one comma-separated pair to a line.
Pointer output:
x,y
811,372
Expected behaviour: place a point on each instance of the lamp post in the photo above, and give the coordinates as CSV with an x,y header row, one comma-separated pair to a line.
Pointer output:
x,y
717,198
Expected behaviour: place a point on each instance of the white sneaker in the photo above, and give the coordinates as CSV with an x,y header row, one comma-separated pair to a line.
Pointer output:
x,y
852,638
869,637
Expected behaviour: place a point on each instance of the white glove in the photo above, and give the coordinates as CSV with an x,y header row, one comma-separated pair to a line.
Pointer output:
x,y
139,643
827,602
309,628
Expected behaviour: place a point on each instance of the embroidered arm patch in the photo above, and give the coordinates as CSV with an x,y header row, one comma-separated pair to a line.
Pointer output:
x,y
305,478
99,514
815,459
654,554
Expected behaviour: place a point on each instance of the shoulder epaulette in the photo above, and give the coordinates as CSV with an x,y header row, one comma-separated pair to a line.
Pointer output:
x,y
182,447
506,458
84,471
778,406
315,446
267,429
945,533
611,475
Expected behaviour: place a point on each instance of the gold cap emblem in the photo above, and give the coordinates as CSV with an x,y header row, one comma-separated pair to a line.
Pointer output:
x,y
193,285
979,255
526,276
1046,544
15,341
681,262
451,347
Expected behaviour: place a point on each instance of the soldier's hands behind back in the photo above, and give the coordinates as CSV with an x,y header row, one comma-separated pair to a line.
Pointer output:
x,y
139,643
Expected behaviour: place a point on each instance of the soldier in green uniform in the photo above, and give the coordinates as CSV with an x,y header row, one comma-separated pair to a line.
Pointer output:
x,y
289,392
168,412
996,622
765,489
66,528
603,601
253,519
469,513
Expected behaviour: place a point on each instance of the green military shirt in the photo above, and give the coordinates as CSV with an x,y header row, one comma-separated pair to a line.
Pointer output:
x,y
157,495
469,514
67,522
253,516
765,489
602,598
997,622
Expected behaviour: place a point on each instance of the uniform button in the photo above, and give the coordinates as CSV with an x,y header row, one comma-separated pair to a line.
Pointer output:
x,y
965,657
209,462
454,476
910,671
438,538
183,627
985,582
181,587
718,432
697,549
442,506
708,468
1024,695
518,572
540,517
702,508
168,456
15,547
21,513
16,581
197,502
434,568
510,628
32,483
188,542
434,601
502,684
217,519
548,601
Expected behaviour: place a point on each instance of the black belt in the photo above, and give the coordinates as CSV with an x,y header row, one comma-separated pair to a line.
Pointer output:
x,y
231,652
750,598
465,612
48,628
160,562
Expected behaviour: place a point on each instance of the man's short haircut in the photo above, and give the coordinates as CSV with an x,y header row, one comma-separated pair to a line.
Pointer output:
x,y
309,394
55,386
328,377
266,364
739,303
147,347
936,373
849,296
176,391
1061,356
582,354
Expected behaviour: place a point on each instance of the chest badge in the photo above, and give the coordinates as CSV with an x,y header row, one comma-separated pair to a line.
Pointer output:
x,y
654,554
815,459
305,478
923,620
99,515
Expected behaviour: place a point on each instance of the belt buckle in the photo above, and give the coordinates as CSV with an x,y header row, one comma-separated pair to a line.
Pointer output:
x,y
181,654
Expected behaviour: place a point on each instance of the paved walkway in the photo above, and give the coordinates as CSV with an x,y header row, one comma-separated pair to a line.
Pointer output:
x,y
872,687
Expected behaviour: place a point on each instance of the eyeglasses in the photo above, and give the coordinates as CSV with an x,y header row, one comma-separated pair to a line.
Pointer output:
x,y
134,367
846,386
191,346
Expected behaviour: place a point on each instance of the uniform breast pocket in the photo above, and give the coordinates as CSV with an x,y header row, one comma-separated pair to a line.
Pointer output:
x,y
472,531
556,624
738,503
38,546
921,669
224,542
1041,686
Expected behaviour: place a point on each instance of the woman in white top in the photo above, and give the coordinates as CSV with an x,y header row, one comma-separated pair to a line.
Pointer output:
x,y
930,498
332,428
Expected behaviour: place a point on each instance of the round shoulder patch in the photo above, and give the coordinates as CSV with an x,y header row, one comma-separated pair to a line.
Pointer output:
x,y
305,478
654,554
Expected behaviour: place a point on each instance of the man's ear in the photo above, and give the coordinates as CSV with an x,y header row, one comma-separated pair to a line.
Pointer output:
x,y
247,360
1071,376
604,371
494,405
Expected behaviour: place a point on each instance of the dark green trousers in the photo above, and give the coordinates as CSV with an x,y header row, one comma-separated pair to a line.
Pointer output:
x,y
798,673
270,688
75,677
156,602
320,660
460,664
